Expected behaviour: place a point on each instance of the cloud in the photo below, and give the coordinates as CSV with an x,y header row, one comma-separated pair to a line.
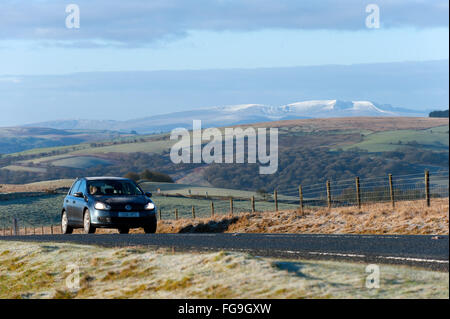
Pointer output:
x,y
13,80
135,23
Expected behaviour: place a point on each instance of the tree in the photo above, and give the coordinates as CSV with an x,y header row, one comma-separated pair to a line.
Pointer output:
x,y
133,176
439,114
156,176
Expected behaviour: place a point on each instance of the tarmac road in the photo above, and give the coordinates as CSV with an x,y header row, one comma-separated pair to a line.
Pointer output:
x,y
431,252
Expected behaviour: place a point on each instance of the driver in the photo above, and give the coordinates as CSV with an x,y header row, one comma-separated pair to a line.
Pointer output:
x,y
94,190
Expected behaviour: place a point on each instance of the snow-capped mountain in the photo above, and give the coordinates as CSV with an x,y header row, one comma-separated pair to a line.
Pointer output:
x,y
220,116
335,108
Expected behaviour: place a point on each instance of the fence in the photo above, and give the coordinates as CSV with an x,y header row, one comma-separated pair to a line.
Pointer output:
x,y
351,192
357,191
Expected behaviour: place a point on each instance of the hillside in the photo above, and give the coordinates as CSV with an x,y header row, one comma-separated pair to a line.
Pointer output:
x,y
310,151
17,139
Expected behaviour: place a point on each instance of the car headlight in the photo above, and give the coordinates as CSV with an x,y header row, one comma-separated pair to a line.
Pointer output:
x,y
102,206
150,206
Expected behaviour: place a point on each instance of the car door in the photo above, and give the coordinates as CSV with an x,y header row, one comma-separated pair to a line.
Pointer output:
x,y
80,203
70,204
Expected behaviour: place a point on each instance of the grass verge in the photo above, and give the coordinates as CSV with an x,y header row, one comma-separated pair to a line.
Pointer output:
x,y
37,270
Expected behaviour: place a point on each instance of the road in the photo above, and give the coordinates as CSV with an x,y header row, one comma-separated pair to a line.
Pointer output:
x,y
431,252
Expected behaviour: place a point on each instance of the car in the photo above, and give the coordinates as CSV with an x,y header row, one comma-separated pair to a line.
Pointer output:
x,y
107,202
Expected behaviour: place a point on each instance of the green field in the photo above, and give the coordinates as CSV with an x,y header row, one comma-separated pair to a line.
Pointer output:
x,y
203,206
80,162
19,168
183,189
435,139
123,144
84,155
147,147
31,211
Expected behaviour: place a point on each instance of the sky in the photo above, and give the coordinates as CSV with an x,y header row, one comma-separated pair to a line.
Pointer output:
x,y
42,61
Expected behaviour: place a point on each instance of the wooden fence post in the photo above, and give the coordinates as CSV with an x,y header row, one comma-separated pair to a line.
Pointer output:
x,y
34,230
212,209
176,213
51,229
159,214
358,193
252,201
275,198
329,194
427,187
300,195
391,190
42,230
15,226
193,211
231,206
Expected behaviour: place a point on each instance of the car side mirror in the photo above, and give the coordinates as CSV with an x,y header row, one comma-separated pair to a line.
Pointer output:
x,y
148,194
78,194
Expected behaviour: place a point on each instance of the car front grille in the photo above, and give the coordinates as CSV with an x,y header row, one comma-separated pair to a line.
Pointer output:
x,y
121,208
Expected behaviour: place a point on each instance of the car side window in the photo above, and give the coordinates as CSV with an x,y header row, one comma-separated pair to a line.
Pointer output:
x,y
74,188
82,187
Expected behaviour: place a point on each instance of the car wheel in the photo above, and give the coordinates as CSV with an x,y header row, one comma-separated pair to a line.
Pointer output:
x,y
150,229
87,226
65,228
124,230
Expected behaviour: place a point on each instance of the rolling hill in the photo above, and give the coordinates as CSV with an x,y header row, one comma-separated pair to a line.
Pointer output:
x,y
17,139
310,150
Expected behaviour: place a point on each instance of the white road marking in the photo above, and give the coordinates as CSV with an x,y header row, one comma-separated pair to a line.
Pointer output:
x,y
416,259
336,254
379,257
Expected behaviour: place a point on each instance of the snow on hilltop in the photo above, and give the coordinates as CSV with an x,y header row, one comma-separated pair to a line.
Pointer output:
x,y
220,116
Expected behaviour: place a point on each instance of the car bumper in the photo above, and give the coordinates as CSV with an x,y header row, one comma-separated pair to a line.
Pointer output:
x,y
111,219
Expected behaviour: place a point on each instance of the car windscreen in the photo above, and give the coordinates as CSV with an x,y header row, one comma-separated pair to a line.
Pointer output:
x,y
113,188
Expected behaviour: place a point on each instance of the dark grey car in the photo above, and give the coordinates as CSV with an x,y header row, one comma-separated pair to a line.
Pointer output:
x,y
107,202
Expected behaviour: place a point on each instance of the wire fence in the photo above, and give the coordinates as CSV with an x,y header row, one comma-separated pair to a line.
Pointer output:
x,y
340,193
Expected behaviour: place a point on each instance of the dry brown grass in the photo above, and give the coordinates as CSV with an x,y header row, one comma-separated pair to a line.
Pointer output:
x,y
375,124
410,217
36,187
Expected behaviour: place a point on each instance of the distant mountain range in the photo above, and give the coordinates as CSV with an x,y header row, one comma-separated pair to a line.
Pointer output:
x,y
220,116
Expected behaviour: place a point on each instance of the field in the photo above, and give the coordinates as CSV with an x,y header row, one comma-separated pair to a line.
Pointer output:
x,y
37,186
36,211
23,140
434,139
34,270
20,168
80,162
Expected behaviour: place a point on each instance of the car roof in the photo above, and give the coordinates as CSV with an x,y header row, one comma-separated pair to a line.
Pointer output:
x,y
106,178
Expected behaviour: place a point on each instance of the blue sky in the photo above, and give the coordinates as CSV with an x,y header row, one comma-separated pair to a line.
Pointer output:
x,y
178,35
226,49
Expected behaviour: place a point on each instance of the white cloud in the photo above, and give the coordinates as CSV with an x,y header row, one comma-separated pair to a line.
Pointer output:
x,y
10,80
139,22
